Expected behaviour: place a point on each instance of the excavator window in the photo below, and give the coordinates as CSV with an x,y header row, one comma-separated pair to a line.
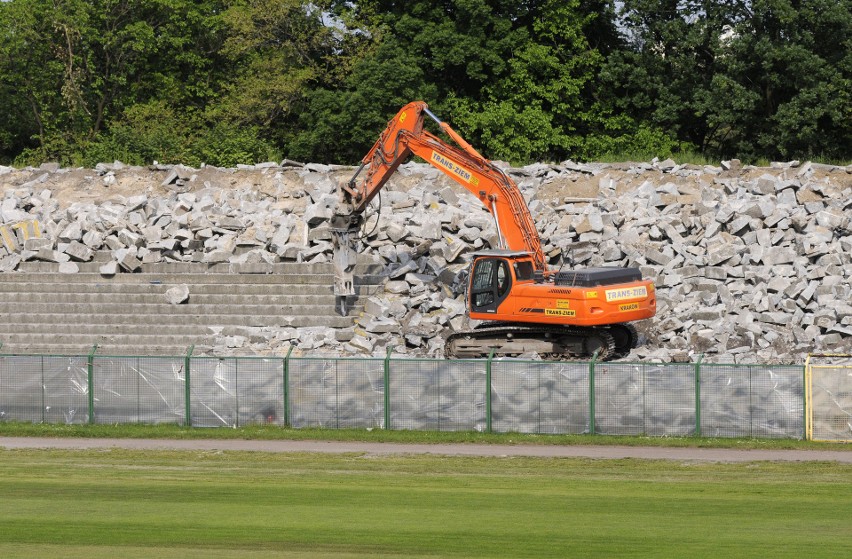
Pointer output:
x,y
502,278
482,291
523,270
491,284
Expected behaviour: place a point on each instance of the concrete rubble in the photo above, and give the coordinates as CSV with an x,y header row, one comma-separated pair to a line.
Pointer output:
x,y
177,295
751,264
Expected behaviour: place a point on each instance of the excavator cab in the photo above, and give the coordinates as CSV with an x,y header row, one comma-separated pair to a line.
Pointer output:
x,y
558,314
493,273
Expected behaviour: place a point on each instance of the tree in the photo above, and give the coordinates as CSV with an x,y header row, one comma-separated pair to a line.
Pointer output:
x,y
540,108
670,59
513,77
339,125
278,51
79,64
737,78
30,76
782,89
413,50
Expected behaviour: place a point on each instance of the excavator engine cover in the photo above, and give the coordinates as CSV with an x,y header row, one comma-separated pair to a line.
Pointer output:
x,y
594,277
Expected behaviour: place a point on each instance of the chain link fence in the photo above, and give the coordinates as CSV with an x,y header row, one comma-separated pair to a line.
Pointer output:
x,y
613,398
829,397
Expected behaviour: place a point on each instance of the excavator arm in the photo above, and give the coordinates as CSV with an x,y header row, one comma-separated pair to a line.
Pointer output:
x,y
404,137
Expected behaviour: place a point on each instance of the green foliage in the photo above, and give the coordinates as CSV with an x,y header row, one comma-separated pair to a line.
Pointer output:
x,y
783,85
147,132
537,110
513,79
226,81
768,78
669,60
514,133
641,144
32,74
341,125
277,51
226,145
82,65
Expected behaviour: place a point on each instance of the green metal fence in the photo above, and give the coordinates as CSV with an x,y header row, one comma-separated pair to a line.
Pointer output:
x,y
653,399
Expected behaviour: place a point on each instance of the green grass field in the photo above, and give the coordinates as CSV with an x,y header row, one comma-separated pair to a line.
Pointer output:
x,y
273,432
118,503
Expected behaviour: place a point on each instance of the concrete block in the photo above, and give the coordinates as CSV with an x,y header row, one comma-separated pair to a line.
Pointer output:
x,y
37,244
48,255
10,262
396,287
68,268
177,295
79,252
73,232
127,260
316,214
109,268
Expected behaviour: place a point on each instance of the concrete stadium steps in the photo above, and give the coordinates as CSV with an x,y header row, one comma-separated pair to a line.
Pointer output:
x,y
272,278
48,312
10,289
195,298
129,323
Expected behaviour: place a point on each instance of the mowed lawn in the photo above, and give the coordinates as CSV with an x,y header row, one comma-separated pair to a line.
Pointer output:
x,y
125,504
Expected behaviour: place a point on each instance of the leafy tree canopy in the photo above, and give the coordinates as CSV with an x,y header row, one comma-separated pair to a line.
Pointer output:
x,y
236,81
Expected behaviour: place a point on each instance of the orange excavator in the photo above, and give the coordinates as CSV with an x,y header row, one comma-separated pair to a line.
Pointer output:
x,y
521,305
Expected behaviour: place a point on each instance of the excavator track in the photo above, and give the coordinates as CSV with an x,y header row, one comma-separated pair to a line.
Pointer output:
x,y
551,342
626,338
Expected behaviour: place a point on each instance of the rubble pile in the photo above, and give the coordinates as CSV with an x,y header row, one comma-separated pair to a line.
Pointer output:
x,y
751,264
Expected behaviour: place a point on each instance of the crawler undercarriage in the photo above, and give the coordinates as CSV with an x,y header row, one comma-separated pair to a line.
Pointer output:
x,y
550,342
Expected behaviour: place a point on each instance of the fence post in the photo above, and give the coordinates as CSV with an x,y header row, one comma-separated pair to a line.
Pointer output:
x,y
90,369
698,395
186,387
387,388
592,393
807,381
750,406
237,391
43,390
488,391
287,387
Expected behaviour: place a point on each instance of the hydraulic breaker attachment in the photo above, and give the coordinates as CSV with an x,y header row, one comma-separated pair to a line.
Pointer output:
x,y
344,229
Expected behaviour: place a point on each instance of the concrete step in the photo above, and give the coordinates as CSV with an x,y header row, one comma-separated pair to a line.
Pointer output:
x,y
187,328
126,340
96,314
45,312
292,315
172,278
279,268
48,319
105,351
102,350
279,300
55,288
101,256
